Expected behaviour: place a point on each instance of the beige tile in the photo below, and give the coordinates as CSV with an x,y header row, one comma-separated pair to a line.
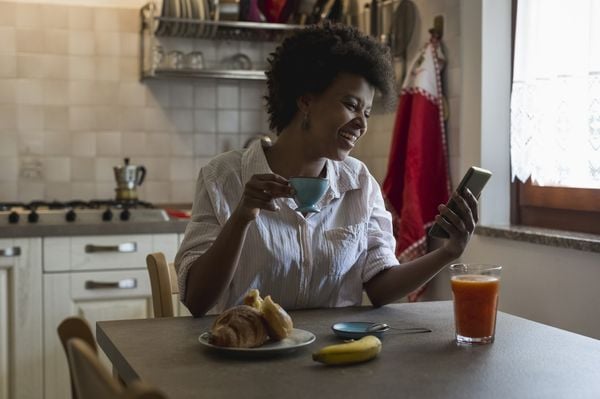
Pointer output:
x,y
182,168
182,144
82,42
205,121
28,15
30,117
251,95
56,92
183,192
56,66
130,118
9,144
30,190
157,168
107,43
8,40
157,94
31,143
82,92
133,143
182,95
82,67
84,145
57,169
182,120
129,44
57,143
106,117
107,68
30,91
205,144
30,40
132,94
105,189
228,142
158,144
54,16
59,191
228,95
80,18
82,118
56,41
228,121
8,117
157,120
8,91
104,170
129,20
107,93
30,66
56,118
205,95
83,190
9,168
108,144
157,192
7,14
250,121
129,68
8,66
106,19
9,190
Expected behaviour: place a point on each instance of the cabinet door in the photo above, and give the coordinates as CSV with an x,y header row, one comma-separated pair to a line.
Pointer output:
x,y
21,372
65,295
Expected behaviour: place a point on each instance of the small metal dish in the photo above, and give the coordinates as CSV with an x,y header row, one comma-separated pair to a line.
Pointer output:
x,y
359,329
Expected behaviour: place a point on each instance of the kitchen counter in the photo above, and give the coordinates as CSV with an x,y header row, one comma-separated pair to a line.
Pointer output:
x,y
110,228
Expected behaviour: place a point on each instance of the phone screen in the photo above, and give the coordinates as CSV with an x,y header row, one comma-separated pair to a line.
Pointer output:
x,y
475,179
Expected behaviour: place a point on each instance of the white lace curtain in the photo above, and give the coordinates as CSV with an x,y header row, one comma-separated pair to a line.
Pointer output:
x,y
555,102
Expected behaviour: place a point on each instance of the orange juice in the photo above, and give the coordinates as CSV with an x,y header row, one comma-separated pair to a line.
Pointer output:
x,y
475,305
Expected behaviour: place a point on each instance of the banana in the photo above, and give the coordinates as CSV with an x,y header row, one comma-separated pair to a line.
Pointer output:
x,y
364,349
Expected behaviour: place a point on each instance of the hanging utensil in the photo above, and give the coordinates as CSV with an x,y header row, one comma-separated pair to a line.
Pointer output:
x,y
402,30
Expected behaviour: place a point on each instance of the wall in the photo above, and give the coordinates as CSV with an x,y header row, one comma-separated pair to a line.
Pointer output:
x,y
373,149
72,106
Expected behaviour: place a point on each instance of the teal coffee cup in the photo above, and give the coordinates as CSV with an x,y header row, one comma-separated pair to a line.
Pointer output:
x,y
309,190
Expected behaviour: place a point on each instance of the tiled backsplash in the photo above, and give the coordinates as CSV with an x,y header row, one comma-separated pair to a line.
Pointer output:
x,y
72,106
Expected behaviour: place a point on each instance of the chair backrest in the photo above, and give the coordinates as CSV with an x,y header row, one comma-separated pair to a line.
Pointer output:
x,y
163,281
93,381
75,327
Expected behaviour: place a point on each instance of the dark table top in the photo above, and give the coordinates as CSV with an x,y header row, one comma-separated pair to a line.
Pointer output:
x,y
527,360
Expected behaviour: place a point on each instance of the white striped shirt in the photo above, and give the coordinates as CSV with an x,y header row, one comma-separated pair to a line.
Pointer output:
x,y
322,260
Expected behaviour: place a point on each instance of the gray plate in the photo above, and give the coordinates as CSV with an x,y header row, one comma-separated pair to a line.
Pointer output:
x,y
297,339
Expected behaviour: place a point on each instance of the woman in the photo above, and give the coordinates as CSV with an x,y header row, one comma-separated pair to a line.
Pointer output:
x,y
244,232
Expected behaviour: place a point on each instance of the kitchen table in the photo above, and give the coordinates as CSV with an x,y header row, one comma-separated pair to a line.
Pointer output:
x,y
527,360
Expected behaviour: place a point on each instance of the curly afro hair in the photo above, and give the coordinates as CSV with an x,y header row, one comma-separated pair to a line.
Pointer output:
x,y
310,59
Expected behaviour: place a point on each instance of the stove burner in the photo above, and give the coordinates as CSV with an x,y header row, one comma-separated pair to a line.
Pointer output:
x,y
79,212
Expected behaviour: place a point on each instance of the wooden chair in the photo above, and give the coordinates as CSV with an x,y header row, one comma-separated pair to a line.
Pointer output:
x,y
163,281
75,327
93,381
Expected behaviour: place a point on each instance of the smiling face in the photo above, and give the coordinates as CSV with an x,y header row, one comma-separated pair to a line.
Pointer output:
x,y
338,116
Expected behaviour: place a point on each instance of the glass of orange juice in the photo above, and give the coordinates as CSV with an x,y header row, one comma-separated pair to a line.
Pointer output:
x,y
475,290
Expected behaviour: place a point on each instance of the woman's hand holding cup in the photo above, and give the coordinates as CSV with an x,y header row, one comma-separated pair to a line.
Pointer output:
x,y
260,192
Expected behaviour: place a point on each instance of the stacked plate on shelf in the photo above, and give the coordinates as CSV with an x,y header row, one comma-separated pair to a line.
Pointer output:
x,y
189,15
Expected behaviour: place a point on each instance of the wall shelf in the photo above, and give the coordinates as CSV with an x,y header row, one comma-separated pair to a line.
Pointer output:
x,y
154,26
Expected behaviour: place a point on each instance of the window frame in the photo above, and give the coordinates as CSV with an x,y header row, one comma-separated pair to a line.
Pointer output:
x,y
561,208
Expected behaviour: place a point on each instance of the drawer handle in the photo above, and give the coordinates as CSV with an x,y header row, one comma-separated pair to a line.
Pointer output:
x,y
10,252
122,248
125,284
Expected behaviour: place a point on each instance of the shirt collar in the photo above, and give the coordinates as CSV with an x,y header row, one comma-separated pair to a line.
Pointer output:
x,y
342,177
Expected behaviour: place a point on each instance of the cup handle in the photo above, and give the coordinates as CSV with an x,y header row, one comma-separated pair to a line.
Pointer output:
x,y
141,174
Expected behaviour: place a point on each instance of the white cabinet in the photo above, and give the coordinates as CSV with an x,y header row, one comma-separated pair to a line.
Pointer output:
x,y
21,372
106,281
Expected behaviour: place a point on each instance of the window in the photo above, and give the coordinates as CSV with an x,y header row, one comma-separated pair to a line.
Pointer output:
x,y
555,115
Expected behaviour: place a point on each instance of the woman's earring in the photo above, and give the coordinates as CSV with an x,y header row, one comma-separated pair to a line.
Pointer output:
x,y
305,125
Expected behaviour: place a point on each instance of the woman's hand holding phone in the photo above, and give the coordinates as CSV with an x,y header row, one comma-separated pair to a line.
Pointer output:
x,y
458,219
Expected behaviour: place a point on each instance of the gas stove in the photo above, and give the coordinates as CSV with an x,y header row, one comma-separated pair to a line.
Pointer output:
x,y
79,212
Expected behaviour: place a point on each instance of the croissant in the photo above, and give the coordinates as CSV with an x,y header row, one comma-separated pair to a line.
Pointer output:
x,y
239,327
279,322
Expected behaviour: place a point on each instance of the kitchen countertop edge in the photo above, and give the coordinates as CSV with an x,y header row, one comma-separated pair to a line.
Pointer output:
x,y
30,231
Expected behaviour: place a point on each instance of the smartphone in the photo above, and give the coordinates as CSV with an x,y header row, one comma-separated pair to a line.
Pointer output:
x,y
475,179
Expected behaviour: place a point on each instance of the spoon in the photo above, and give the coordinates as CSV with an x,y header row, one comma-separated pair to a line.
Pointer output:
x,y
380,327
